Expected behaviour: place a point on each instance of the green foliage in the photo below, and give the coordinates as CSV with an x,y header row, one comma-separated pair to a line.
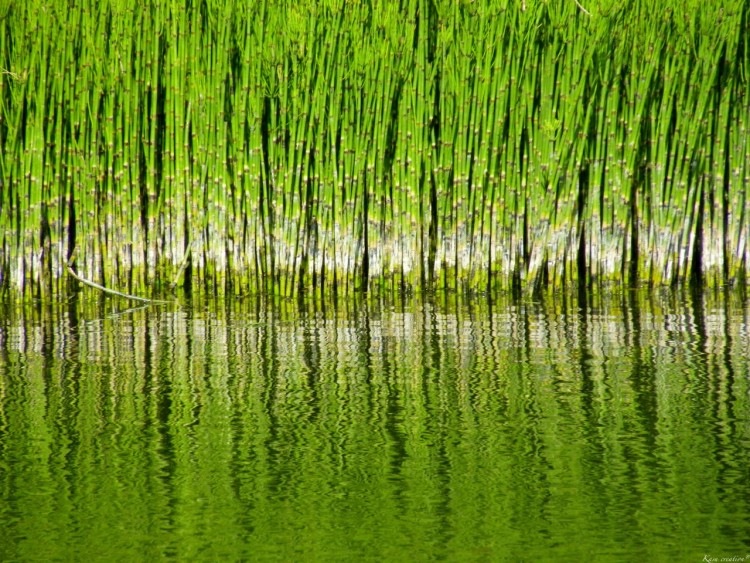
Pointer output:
x,y
284,146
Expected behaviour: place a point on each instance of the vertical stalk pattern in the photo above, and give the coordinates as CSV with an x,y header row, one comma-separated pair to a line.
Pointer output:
x,y
242,146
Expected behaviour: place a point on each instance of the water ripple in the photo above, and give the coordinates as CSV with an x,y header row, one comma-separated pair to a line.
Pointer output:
x,y
487,431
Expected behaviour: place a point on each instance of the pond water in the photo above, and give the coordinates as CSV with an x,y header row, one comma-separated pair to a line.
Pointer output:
x,y
417,430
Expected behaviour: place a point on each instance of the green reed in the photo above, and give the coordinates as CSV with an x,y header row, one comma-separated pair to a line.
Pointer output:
x,y
245,146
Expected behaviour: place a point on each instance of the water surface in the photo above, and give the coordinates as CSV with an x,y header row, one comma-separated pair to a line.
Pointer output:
x,y
420,431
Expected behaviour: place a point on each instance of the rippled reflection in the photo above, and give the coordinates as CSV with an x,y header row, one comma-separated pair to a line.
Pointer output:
x,y
420,431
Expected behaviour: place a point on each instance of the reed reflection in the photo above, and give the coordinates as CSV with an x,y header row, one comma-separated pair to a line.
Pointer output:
x,y
443,428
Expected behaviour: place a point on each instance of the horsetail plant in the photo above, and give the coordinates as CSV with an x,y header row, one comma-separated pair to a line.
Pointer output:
x,y
244,146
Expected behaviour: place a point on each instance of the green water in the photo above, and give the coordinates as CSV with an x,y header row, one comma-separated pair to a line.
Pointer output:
x,y
473,431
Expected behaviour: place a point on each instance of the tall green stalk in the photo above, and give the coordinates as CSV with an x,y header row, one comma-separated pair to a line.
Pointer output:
x,y
236,146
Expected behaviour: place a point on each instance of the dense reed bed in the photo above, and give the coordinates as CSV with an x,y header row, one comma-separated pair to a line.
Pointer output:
x,y
240,146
